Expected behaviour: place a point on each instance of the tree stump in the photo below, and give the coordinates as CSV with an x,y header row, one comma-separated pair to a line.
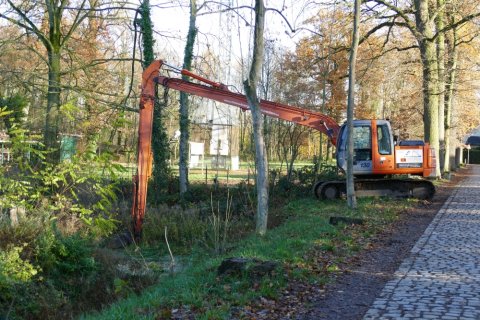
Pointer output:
x,y
253,268
335,220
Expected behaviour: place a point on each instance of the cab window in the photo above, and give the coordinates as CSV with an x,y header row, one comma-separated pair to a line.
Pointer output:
x,y
362,144
383,139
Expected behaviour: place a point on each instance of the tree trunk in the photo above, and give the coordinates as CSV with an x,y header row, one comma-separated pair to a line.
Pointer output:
x,y
184,105
351,198
428,55
449,92
52,119
430,100
250,86
147,34
160,147
441,85
321,159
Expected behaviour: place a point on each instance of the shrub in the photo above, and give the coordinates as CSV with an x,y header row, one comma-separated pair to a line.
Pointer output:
x,y
46,276
46,258
81,187
14,270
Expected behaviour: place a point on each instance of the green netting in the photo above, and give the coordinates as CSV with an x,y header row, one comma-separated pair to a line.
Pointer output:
x,y
68,147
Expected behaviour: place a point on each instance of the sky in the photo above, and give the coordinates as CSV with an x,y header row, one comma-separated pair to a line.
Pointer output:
x,y
172,24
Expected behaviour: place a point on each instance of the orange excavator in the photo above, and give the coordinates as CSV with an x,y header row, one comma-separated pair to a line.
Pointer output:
x,y
377,154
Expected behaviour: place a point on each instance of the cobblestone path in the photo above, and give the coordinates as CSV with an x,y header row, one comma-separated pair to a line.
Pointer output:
x,y
441,277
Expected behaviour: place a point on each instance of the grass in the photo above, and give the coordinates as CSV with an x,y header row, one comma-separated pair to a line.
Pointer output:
x,y
306,247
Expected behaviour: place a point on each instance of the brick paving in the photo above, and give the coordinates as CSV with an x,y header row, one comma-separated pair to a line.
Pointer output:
x,y
441,277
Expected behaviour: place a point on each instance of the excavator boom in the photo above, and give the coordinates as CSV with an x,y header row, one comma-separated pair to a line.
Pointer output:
x,y
210,90
303,117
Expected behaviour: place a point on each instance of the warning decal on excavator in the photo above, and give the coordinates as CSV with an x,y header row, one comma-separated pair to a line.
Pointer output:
x,y
409,158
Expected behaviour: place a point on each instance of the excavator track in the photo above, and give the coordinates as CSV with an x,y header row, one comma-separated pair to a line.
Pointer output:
x,y
394,188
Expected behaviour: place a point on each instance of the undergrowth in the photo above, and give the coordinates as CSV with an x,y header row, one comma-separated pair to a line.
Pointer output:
x,y
52,218
299,245
57,223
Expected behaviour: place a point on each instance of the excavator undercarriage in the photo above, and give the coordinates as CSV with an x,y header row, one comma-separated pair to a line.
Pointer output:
x,y
394,188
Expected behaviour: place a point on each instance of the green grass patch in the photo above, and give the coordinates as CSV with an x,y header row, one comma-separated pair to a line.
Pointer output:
x,y
299,246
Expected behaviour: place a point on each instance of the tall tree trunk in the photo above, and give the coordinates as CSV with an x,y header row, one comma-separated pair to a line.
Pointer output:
x,y
184,105
449,92
52,118
441,84
250,86
428,54
243,133
160,148
53,103
321,159
351,198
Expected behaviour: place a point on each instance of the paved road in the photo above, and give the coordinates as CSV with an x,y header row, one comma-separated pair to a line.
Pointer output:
x,y
441,277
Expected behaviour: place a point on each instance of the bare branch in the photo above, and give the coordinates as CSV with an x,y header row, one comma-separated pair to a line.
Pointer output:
x,y
381,26
401,13
76,22
29,26
457,24
98,62
283,17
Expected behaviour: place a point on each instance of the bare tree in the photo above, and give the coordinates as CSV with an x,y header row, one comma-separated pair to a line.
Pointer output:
x,y
289,136
351,198
440,24
451,75
250,86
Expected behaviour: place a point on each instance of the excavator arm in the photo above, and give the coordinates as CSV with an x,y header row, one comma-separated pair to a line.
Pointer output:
x,y
210,90
144,148
296,115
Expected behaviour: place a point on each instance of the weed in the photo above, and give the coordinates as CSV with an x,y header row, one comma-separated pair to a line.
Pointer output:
x,y
220,225
186,227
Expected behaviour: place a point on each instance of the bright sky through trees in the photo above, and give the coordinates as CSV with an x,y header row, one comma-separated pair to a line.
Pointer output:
x,y
172,23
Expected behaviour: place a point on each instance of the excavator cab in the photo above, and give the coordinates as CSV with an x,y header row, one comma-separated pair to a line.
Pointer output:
x,y
376,156
373,147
